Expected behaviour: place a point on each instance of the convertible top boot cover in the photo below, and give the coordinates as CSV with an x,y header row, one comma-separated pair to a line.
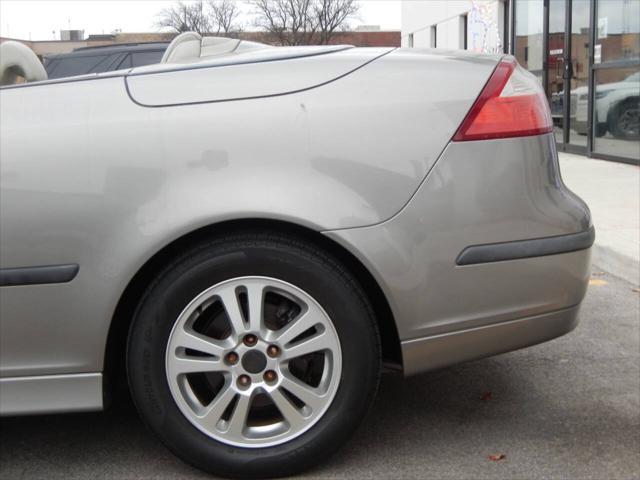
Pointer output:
x,y
254,73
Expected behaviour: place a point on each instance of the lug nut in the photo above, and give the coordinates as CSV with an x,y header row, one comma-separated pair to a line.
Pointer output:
x,y
270,376
244,381
232,358
250,340
273,351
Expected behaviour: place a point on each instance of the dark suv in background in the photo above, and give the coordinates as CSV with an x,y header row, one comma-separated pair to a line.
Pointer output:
x,y
103,59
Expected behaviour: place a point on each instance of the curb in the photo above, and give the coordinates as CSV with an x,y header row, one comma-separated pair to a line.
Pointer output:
x,y
617,264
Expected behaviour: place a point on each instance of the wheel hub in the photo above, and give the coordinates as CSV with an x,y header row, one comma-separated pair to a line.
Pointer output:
x,y
254,361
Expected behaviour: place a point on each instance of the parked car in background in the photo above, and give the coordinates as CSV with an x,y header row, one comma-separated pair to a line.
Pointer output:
x,y
249,233
617,108
103,59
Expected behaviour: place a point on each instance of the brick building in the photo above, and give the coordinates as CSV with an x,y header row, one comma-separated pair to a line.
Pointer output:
x,y
50,47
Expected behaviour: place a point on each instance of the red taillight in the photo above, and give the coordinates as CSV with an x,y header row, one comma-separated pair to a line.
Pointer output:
x,y
511,104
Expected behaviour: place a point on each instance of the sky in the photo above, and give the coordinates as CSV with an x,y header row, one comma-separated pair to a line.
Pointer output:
x,y
43,19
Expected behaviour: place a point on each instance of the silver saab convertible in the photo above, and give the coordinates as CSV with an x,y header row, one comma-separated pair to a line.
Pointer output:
x,y
249,233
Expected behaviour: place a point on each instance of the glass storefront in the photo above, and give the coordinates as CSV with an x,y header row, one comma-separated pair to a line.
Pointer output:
x,y
555,66
586,54
618,30
529,35
616,109
579,81
616,117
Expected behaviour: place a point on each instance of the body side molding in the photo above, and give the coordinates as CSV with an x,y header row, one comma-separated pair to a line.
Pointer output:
x,y
38,275
537,247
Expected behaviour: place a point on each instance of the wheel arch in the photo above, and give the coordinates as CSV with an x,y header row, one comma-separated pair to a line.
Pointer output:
x,y
114,359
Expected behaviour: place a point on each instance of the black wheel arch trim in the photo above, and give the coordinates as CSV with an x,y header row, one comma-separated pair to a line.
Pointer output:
x,y
518,249
38,275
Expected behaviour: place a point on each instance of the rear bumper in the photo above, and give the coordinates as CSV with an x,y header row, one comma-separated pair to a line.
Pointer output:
x,y
430,353
491,237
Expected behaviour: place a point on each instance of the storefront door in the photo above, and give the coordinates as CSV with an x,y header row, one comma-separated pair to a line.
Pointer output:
x,y
578,84
558,67
566,31
586,54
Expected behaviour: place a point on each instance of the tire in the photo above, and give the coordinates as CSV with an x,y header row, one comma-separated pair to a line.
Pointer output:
x,y
625,120
298,278
600,130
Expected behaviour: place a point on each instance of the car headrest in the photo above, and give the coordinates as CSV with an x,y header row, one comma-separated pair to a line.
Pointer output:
x,y
190,46
16,59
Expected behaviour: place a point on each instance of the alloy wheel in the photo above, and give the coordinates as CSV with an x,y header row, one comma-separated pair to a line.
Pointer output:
x,y
253,362
629,122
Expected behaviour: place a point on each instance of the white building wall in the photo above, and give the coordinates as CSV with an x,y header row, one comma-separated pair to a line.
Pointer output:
x,y
485,24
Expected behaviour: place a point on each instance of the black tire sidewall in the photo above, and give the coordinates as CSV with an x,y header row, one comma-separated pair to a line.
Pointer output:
x,y
619,111
309,270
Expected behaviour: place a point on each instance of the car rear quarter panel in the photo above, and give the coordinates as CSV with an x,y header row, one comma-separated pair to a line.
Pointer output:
x,y
89,177
479,192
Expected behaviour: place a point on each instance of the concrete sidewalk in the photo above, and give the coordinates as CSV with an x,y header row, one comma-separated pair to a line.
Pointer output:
x,y
612,191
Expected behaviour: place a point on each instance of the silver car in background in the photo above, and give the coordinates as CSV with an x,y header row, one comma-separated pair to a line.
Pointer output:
x,y
248,233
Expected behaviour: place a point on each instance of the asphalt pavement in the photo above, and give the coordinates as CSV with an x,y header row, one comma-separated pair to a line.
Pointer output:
x,y
569,408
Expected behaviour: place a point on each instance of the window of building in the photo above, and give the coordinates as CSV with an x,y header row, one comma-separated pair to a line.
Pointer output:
x,y
434,36
528,47
616,130
411,40
589,51
618,30
616,74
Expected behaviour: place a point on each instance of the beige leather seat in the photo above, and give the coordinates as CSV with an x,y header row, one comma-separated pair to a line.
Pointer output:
x,y
16,59
190,46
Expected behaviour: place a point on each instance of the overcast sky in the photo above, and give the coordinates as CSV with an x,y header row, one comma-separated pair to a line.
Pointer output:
x,y
42,20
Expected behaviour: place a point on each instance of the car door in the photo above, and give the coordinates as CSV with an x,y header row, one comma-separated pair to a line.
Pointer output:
x,y
45,196
81,194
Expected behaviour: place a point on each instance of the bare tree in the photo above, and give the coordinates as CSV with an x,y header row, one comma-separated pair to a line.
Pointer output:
x,y
299,22
291,22
332,14
223,15
185,17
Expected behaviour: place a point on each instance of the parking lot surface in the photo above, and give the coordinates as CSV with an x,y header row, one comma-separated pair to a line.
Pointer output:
x,y
566,409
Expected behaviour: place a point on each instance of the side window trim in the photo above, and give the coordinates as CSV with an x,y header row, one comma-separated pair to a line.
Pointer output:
x,y
125,62
116,60
95,67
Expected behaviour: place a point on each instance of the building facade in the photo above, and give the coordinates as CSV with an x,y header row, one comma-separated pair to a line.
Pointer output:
x,y
586,54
